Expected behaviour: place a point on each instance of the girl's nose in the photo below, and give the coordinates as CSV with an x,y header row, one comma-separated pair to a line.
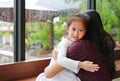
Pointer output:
x,y
76,34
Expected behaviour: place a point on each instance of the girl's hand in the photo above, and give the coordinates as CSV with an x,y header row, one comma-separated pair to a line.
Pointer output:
x,y
89,66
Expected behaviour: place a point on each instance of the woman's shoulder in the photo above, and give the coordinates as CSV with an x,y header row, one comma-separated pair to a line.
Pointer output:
x,y
81,41
79,44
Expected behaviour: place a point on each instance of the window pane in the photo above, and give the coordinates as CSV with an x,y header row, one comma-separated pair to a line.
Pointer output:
x,y
109,11
45,24
6,31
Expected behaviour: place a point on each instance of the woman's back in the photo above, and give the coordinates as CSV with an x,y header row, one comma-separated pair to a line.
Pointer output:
x,y
86,50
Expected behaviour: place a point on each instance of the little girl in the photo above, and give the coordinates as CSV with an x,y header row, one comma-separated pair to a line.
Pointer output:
x,y
76,29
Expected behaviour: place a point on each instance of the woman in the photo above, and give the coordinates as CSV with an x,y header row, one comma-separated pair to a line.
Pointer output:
x,y
98,47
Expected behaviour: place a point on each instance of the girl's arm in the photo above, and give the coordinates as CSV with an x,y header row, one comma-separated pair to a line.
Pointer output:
x,y
51,70
62,58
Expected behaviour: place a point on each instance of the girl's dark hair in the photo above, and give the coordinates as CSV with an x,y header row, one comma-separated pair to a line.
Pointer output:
x,y
81,16
104,41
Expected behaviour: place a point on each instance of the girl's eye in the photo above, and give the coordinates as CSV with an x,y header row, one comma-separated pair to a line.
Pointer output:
x,y
80,30
73,29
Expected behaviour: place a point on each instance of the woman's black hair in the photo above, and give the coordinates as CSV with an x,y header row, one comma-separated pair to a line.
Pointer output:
x,y
104,41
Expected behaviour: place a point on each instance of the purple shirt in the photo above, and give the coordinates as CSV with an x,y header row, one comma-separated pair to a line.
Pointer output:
x,y
85,50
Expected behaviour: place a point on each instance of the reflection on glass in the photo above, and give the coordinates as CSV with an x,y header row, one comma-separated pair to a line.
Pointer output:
x,y
6,31
45,23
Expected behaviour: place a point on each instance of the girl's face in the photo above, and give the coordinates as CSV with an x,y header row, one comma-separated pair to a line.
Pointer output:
x,y
76,30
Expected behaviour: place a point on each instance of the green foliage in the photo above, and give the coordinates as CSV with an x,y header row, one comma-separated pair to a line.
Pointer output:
x,y
7,32
59,27
39,31
109,11
108,17
58,31
1,33
83,5
115,7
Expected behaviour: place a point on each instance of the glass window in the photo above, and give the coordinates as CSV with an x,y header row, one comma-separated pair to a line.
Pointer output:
x,y
109,11
6,31
45,23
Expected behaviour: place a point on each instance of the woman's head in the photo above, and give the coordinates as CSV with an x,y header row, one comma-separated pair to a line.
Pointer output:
x,y
95,30
77,26
95,25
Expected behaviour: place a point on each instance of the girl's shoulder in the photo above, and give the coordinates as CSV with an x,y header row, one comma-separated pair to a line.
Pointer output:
x,y
66,40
